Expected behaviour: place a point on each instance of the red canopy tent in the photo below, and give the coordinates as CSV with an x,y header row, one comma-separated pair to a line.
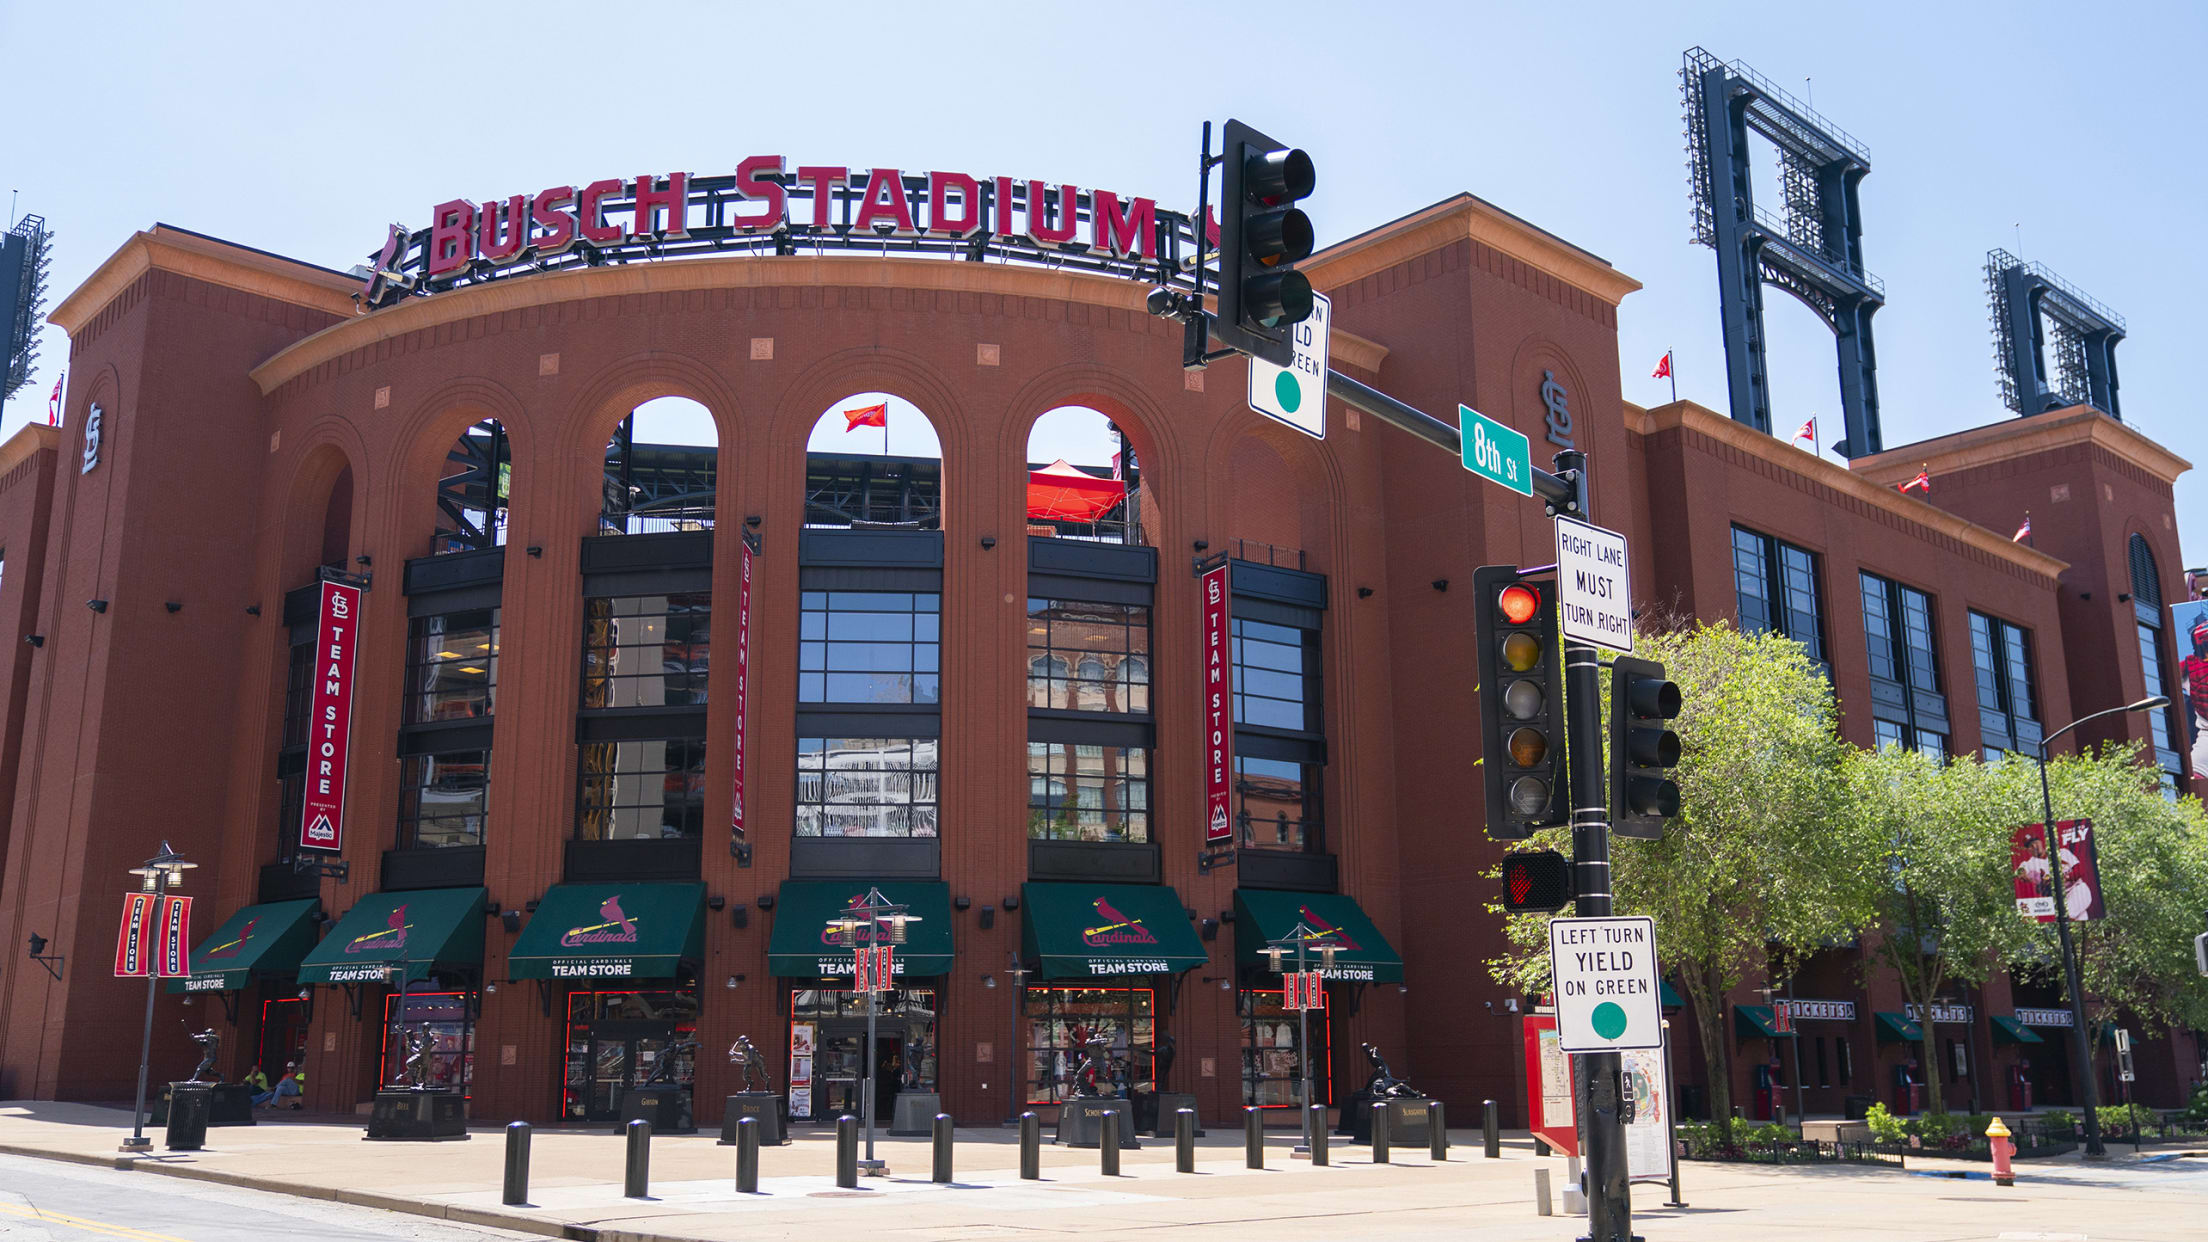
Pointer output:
x,y
1062,493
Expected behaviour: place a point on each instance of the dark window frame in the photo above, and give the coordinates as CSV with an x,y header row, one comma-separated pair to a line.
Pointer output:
x,y
833,657
1122,809
685,658
424,666
1119,691
692,772
922,803
1788,598
1901,638
2003,667
417,775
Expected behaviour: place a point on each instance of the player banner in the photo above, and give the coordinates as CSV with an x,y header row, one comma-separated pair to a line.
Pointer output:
x,y
174,958
743,675
134,943
1218,711
330,718
2030,856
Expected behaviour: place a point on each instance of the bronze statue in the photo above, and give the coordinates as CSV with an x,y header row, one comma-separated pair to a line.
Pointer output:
x,y
755,1066
916,1052
209,1044
1384,1085
664,1071
419,1044
1096,1055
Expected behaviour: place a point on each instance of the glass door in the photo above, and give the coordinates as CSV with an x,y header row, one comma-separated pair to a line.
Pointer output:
x,y
610,1057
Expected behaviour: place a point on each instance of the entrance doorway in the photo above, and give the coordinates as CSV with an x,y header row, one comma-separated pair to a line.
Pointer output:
x,y
833,1025
617,1041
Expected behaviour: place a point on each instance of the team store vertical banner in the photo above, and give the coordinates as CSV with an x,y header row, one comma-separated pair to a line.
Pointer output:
x,y
330,718
1218,710
743,679
134,943
174,953
155,938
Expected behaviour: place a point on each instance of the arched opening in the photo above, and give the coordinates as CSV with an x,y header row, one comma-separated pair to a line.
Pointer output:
x,y
472,490
1083,481
873,462
337,520
662,469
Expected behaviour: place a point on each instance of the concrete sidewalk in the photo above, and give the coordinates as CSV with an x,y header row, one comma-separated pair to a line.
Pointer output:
x,y
576,1189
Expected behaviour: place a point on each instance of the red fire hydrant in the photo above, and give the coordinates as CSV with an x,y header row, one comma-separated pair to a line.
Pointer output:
x,y
1997,1137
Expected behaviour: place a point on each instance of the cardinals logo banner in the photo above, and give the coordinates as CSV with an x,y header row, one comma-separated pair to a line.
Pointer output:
x,y
330,719
1218,711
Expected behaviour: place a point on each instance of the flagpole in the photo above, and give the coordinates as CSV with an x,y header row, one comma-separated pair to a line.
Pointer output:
x,y
1672,373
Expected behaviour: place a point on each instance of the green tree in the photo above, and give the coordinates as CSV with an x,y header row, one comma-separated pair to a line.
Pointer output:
x,y
1746,866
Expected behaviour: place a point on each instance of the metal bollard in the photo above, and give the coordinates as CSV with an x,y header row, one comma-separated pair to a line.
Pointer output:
x,y
1437,1131
747,1155
942,1149
1380,1134
1491,1131
636,1183
517,1164
1253,1138
1541,1206
1107,1144
1318,1134
847,1152
1031,1147
1184,1140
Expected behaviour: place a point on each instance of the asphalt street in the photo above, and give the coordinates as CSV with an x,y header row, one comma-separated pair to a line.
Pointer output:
x,y
44,1199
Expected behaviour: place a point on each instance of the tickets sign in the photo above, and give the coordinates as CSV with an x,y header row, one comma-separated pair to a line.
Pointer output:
x,y
330,717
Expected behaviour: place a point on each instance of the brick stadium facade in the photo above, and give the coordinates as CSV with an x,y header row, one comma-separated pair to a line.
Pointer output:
x,y
259,431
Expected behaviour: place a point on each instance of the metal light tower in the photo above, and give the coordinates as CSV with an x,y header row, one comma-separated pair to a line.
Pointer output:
x,y
157,875
1303,940
872,912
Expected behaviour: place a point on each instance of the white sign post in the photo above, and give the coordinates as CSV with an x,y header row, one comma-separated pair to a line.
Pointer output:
x,y
1296,394
1591,585
1604,970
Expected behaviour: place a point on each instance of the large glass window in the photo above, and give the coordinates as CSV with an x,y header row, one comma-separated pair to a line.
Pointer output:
x,y
452,666
442,799
447,1018
647,650
867,786
1084,656
2146,603
1276,674
2001,666
1897,630
1060,1022
869,647
641,789
298,692
1777,587
1272,1048
1087,793
1277,803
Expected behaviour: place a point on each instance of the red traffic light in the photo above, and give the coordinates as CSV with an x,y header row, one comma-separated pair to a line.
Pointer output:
x,y
1518,603
1536,882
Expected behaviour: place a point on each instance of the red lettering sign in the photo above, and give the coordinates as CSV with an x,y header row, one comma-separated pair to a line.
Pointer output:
x,y
175,956
743,677
1218,711
330,718
134,943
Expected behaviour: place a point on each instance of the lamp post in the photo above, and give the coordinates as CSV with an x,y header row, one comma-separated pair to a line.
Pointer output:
x,y
872,912
1300,940
2088,1092
157,875
1016,1052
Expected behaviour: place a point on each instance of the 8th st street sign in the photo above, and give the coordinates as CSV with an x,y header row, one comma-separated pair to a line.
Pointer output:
x,y
1604,970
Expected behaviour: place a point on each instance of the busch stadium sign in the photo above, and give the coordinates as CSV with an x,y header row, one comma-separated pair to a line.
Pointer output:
x,y
771,207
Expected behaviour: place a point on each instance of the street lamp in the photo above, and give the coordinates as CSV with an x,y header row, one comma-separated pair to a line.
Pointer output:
x,y
1300,940
157,875
2088,1092
871,912
1016,1059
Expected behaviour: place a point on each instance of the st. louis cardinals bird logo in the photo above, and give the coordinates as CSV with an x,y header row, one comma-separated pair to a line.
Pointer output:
x,y
390,940
231,948
617,928
1115,928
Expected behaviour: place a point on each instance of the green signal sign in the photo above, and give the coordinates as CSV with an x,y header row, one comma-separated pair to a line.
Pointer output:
x,y
1296,394
1288,392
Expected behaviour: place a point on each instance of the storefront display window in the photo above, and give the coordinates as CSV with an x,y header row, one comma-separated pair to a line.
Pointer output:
x,y
451,1022
1272,1065
828,1050
615,1041
1060,1021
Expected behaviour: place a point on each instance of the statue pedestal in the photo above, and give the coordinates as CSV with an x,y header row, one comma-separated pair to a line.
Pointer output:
x,y
1406,1122
915,1115
1168,1105
1080,1122
763,1107
231,1105
666,1105
405,1115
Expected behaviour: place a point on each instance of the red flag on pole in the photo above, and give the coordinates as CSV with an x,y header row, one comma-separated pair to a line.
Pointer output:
x,y
1663,367
876,415
1808,432
53,403
1922,481
2023,532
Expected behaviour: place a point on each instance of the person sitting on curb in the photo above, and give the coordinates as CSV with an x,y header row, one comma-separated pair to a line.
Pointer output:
x,y
292,1086
257,1080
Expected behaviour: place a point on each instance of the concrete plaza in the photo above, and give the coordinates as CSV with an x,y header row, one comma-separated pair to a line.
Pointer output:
x,y
576,1189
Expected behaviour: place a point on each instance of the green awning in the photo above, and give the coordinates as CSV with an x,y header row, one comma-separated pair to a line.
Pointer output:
x,y
259,941
1896,1028
422,929
1755,1022
611,931
1362,954
1666,996
2007,1030
801,947
1091,931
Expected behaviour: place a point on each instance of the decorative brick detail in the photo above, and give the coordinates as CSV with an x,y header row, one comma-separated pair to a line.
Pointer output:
x,y
762,349
383,397
1355,419
275,440
1193,381
986,355
2059,492
548,364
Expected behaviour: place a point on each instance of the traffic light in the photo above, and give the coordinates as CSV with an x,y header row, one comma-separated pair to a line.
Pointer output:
x,y
1521,702
1262,236
1536,882
1643,749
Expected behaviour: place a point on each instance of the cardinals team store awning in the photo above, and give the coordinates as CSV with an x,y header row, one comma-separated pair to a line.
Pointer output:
x,y
1361,953
256,942
611,931
802,948
1098,931
425,931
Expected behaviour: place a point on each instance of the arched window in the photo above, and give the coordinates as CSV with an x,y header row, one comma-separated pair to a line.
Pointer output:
x,y
874,462
2146,607
662,469
472,490
1082,478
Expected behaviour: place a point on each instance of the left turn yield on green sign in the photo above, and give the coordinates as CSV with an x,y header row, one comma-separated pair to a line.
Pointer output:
x,y
1607,992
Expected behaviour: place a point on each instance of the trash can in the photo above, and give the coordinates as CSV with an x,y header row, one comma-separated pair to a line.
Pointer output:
x,y
190,1104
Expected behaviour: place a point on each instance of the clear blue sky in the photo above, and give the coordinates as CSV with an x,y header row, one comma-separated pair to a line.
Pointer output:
x,y
305,129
